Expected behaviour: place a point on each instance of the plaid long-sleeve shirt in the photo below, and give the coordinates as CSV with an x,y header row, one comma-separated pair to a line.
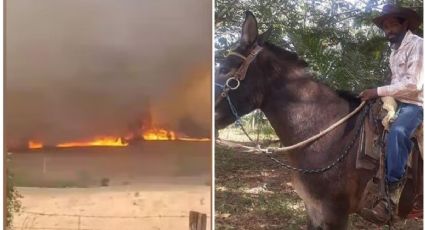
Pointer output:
x,y
407,78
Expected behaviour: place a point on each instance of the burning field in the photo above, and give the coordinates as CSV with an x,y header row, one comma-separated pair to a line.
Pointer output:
x,y
108,112
144,134
117,74
151,174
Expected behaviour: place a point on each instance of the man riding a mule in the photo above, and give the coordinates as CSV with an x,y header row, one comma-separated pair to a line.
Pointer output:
x,y
406,88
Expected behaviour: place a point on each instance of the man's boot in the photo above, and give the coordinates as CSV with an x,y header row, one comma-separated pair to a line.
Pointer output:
x,y
382,212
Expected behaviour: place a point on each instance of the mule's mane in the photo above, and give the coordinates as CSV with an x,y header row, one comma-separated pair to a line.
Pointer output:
x,y
285,54
293,57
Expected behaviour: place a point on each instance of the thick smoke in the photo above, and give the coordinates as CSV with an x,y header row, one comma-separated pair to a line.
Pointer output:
x,y
76,69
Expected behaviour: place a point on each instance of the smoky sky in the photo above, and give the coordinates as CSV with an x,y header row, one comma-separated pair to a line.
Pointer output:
x,y
81,68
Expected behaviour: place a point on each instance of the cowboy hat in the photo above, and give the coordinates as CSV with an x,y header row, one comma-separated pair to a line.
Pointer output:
x,y
400,12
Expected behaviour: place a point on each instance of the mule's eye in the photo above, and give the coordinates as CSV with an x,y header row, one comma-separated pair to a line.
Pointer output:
x,y
224,70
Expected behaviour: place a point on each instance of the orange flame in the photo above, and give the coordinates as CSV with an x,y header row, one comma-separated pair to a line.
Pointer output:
x,y
192,139
151,134
101,141
158,135
35,144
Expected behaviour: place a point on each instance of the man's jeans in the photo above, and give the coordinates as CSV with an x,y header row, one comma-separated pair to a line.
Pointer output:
x,y
398,143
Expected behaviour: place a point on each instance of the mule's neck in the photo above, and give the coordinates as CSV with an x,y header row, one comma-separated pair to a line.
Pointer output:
x,y
301,107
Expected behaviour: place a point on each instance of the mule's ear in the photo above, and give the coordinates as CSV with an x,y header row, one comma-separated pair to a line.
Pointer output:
x,y
262,38
249,29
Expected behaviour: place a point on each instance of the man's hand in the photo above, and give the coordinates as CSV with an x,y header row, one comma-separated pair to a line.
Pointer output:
x,y
368,94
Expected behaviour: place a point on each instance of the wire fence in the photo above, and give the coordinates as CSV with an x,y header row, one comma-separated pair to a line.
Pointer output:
x,y
31,220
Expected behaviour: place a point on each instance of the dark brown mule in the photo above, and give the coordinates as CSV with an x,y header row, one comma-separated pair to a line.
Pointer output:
x,y
298,107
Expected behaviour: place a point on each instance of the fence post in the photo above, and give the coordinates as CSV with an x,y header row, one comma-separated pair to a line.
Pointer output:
x,y
197,221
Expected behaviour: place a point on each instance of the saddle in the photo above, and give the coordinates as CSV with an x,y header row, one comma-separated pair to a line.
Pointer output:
x,y
371,149
372,142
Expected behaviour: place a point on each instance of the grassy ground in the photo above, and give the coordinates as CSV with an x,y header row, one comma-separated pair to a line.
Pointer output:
x,y
253,193
96,167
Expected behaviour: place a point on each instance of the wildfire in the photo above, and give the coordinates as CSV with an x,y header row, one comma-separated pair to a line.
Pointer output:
x,y
35,145
159,135
101,141
151,134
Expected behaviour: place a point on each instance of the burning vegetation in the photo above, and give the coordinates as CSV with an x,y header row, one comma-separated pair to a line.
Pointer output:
x,y
145,131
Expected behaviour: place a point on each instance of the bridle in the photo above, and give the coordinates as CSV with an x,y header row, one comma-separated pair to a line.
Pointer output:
x,y
234,78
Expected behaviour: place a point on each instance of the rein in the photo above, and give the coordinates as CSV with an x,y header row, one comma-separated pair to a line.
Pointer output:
x,y
270,150
309,140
